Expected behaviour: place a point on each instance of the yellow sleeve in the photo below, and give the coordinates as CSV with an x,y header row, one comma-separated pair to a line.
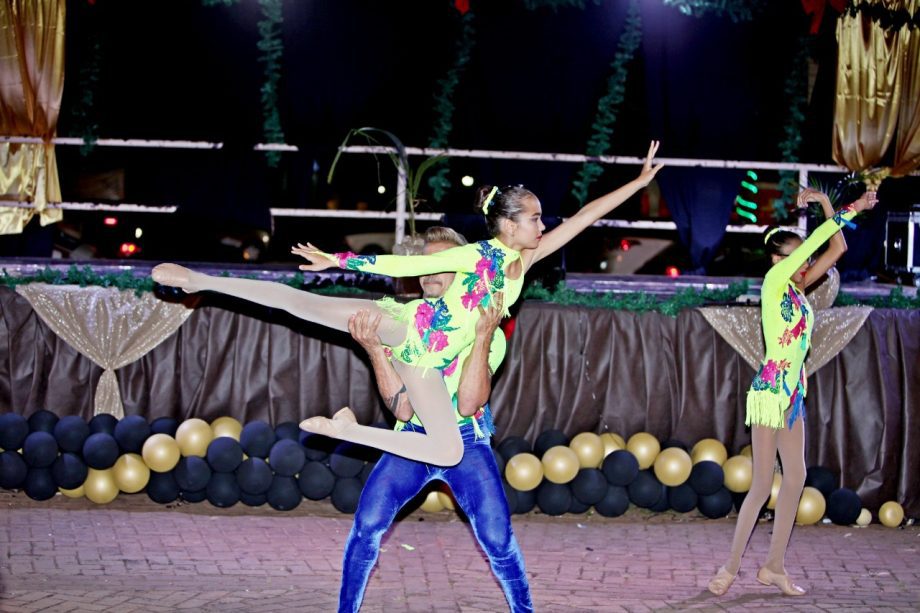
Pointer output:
x,y
455,259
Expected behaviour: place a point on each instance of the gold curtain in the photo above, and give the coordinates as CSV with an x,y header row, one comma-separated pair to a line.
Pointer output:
x,y
31,85
907,146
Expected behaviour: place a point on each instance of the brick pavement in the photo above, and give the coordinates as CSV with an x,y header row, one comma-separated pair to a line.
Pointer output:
x,y
136,556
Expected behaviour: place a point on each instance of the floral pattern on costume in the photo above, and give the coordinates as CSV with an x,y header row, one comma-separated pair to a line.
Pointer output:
x,y
489,276
352,261
771,377
432,323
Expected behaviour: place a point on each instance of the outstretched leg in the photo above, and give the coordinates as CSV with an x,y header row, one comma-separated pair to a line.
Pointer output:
x,y
441,444
332,312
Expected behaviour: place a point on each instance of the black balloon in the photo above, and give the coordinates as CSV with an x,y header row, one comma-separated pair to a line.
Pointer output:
x,y
673,442
100,451
42,420
40,449
614,503
13,431
843,506
346,493
315,480
346,460
39,484
224,455
223,490
252,500
717,504
512,446
706,478
646,490
254,476
510,496
316,446
131,432
682,498
284,494
192,473
13,470
499,461
257,438
822,479
70,432
578,507
162,487
526,501
620,467
104,422
287,429
547,439
69,471
193,496
365,473
287,457
554,498
165,425
663,503
589,486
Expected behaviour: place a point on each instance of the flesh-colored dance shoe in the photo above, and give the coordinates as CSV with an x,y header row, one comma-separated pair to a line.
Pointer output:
x,y
721,582
332,428
783,582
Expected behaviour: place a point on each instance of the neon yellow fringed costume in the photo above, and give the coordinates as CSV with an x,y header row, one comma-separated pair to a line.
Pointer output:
x,y
787,321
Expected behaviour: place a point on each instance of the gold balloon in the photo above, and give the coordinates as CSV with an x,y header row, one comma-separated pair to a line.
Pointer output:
x,y
645,447
524,471
673,466
131,473
612,442
774,490
160,453
447,501
739,471
589,448
891,514
194,435
432,503
77,492
560,464
865,518
747,451
100,486
226,426
709,449
811,506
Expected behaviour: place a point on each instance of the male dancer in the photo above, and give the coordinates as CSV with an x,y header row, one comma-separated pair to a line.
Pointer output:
x,y
475,481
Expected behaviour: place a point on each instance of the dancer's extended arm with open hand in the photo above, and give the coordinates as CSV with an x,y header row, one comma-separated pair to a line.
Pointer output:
x,y
557,238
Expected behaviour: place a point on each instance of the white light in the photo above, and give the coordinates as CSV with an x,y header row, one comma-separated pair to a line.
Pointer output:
x,y
467,181
381,189
138,233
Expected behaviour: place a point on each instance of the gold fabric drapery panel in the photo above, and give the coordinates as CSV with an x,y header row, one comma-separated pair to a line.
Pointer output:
x,y
32,83
877,91
109,326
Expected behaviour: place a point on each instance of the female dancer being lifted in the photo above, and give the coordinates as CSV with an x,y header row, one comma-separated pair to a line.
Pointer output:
x,y
425,335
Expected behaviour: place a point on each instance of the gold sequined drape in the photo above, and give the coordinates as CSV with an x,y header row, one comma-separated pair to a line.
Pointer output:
x,y
877,91
31,85
111,327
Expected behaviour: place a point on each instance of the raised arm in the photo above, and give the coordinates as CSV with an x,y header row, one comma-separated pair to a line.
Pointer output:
x,y
363,328
785,268
477,368
558,237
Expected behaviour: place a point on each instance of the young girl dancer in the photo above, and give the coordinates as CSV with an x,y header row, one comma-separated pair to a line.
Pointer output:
x,y
776,397
426,334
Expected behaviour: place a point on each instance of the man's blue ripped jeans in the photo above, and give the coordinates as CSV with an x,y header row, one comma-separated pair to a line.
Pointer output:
x,y
477,488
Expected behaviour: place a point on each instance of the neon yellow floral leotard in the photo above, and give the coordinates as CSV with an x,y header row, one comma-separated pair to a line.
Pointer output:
x,y
787,321
439,329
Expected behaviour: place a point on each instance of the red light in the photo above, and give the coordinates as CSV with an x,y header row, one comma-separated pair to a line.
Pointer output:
x,y
110,221
128,249
624,245
672,271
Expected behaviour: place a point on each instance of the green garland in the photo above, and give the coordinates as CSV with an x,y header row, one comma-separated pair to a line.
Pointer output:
x,y
444,105
271,49
795,91
737,10
894,300
609,104
83,113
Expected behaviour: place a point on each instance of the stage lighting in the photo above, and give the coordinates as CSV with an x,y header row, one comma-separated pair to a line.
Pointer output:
x,y
129,249
381,189
672,271
138,232
467,181
110,221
